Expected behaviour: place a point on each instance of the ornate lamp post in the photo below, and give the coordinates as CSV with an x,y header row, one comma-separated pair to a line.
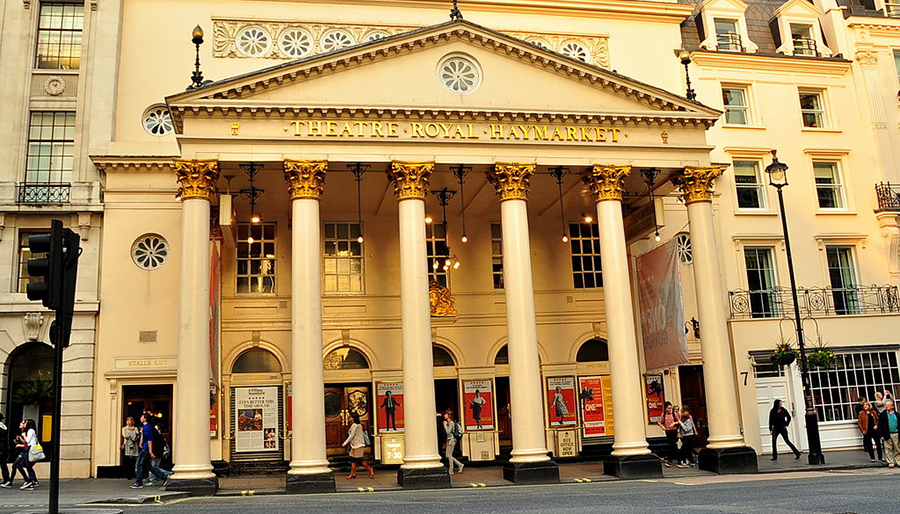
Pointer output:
x,y
777,172
685,57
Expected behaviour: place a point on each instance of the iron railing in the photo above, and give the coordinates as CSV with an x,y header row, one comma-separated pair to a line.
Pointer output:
x,y
805,46
888,196
892,9
729,41
43,193
814,301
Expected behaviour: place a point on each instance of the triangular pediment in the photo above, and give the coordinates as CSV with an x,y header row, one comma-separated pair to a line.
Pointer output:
x,y
800,8
402,73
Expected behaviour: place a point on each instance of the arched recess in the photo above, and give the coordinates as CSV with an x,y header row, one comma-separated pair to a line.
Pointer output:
x,y
580,340
441,357
30,388
345,358
593,350
231,358
256,360
349,361
455,351
358,345
500,348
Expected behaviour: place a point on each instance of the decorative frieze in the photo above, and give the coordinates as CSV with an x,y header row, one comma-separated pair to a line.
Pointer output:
x,y
196,178
410,179
511,180
606,182
697,183
305,179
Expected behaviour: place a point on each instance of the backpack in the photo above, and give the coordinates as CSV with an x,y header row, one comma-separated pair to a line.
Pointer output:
x,y
457,432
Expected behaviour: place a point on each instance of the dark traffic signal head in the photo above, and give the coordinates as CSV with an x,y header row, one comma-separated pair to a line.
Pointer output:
x,y
49,267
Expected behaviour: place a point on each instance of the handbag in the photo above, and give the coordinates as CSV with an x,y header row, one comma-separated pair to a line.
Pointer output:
x,y
366,438
35,453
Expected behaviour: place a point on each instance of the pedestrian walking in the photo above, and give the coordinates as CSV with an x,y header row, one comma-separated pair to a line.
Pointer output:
x,y
131,445
18,446
889,426
779,420
148,452
454,434
688,438
162,450
357,439
26,466
669,423
4,453
868,425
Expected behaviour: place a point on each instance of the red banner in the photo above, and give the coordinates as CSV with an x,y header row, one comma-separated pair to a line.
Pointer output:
x,y
389,398
590,397
655,397
478,404
561,401
662,308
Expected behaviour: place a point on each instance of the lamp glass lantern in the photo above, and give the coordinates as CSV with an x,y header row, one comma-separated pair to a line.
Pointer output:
x,y
777,172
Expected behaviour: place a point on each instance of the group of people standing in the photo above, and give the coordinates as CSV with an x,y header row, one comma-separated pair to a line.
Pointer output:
x,y
25,440
145,447
676,423
879,423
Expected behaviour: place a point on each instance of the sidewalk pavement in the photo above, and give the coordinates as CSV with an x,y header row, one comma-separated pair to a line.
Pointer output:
x,y
116,491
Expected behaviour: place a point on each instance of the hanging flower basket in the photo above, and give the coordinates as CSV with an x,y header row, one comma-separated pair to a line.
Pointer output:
x,y
820,356
784,354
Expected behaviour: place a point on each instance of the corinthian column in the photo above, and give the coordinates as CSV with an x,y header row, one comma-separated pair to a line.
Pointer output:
x,y
422,466
631,457
193,469
309,464
529,462
726,451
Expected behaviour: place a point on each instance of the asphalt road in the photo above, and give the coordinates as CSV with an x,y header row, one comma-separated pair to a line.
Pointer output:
x,y
860,492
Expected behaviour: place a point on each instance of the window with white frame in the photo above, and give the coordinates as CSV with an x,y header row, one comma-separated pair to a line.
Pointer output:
x,y
829,190
748,183
51,143
803,40
436,247
727,35
897,62
836,391
584,241
763,366
737,108
343,258
842,275
497,255
24,255
761,281
812,109
255,258
60,27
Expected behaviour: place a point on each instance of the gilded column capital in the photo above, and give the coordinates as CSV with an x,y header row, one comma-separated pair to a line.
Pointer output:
x,y
305,179
196,178
410,179
511,180
696,182
607,182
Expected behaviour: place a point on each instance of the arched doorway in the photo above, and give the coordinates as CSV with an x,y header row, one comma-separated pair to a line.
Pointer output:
x,y
344,399
30,386
257,407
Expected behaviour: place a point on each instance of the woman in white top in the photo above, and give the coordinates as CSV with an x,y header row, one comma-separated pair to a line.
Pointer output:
x,y
131,444
356,438
30,441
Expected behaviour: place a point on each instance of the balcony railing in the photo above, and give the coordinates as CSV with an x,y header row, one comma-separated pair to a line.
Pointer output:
x,y
805,46
729,41
814,301
43,193
892,9
888,196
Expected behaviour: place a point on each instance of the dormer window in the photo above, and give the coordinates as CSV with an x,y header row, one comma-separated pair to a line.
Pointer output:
x,y
727,35
796,25
802,37
724,26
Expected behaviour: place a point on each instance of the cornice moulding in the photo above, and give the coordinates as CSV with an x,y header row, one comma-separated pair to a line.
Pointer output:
x,y
769,63
129,163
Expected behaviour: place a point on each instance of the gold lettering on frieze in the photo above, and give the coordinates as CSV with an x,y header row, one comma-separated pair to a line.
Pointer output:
x,y
458,131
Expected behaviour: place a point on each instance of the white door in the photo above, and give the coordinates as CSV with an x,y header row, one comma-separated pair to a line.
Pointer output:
x,y
767,391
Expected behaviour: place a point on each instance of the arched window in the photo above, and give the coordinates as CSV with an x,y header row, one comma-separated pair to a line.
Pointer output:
x,y
346,358
31,387
593,350
502,357
256,360
441,357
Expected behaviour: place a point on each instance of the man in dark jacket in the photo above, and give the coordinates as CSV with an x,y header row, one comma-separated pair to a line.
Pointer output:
x,y
889,426
779,419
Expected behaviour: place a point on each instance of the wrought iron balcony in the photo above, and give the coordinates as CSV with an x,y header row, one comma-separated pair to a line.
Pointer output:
x,y
44,193
888,196
730,41
805,46
814,301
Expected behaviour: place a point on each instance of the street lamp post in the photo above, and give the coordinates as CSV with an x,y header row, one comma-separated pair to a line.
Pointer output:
x,y
777,172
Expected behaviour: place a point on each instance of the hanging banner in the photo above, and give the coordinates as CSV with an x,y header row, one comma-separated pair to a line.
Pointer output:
x,y
215,300
478,404
390,406
561,398
213,411
655,397
590,398
606,383
662,308
289,408
256,419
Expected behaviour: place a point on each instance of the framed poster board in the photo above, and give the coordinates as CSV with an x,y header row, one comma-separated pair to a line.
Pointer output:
x,y
256,419
561,404
653,386
590,399
389,399
478,404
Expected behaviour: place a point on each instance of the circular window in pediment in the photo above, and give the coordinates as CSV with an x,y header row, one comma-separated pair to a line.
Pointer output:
x,y
575,50
540,43
336,39
375,35
295,42
253,41
150,251
459,74
157,121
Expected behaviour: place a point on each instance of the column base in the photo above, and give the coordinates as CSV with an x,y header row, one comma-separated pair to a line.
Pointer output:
x,y
195,486
525,473
728,461
630,467
310,484
424,478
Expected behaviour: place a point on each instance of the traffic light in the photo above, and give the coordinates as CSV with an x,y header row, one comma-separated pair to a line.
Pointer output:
x,y
50,267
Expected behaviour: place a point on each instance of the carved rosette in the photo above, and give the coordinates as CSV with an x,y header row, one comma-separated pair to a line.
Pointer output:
x,y
196,178
511,180
410,179
696,182
305,179
441,300
607,182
